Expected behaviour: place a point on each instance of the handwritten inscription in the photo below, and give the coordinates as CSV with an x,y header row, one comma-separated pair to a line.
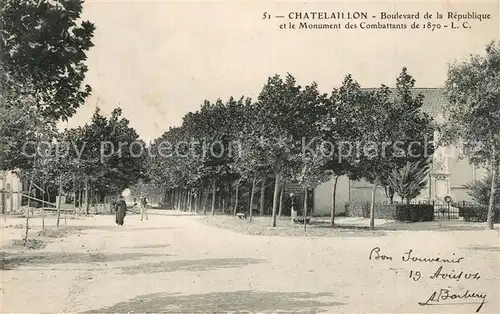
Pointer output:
x,y
375,254
445,294
407,257
445,272
440,274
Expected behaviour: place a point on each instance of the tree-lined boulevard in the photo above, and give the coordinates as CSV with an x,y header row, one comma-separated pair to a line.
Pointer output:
x,y
175,263
270,131
222,185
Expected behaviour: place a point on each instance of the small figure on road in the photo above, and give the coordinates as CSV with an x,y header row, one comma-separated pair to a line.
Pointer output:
x,y
121,210
144,208
293,205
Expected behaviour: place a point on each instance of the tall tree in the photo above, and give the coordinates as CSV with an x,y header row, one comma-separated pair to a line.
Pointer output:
x,y
111,154
394,131
473,112
45,42
275,115
310,156
339,131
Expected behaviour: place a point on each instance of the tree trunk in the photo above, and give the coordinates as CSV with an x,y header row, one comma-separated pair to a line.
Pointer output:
x,y
491,206
389,192
262,195
236,197
250,209
205,199
334,194
229,196
171,198
25,240
305,209
59,202
372,206
213,197
275,199
219,204
185,201
80,197
197,200
43,206
74,193
96,202
87,196
282,189
174,199
192,200
179,198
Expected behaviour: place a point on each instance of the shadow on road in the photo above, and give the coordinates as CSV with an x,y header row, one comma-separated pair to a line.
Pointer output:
x,y
437,225
150,246
219,302
190,265
124,228
9,261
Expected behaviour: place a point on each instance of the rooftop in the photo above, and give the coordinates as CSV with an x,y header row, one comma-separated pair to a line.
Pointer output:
x,y
434,99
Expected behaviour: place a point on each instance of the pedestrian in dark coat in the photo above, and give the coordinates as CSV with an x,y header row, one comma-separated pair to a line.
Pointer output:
x,y
121,211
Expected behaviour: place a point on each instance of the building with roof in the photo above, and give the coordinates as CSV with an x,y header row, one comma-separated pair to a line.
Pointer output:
x,y
10,191
447,176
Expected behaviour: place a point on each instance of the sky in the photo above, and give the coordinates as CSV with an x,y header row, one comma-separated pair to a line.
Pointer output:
x,y
158,60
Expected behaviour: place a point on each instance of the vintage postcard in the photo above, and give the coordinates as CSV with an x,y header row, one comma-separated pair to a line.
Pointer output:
x,y
249,156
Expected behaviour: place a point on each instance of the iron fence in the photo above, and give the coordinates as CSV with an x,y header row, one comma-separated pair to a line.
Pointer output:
x,y
442,210
448,211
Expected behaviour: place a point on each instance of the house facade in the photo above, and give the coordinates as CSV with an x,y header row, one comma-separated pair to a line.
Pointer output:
x,y
10,191
447,176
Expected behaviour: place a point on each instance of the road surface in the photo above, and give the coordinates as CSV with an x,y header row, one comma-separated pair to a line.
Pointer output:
x,y
174,263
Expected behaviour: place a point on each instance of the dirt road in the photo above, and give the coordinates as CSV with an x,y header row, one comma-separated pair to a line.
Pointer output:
x,y
174,263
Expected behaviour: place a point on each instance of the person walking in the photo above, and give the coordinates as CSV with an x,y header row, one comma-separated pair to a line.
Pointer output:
x,y
144,208
293,207
121,211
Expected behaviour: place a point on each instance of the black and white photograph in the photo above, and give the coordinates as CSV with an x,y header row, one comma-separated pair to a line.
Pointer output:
x,y
249,156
